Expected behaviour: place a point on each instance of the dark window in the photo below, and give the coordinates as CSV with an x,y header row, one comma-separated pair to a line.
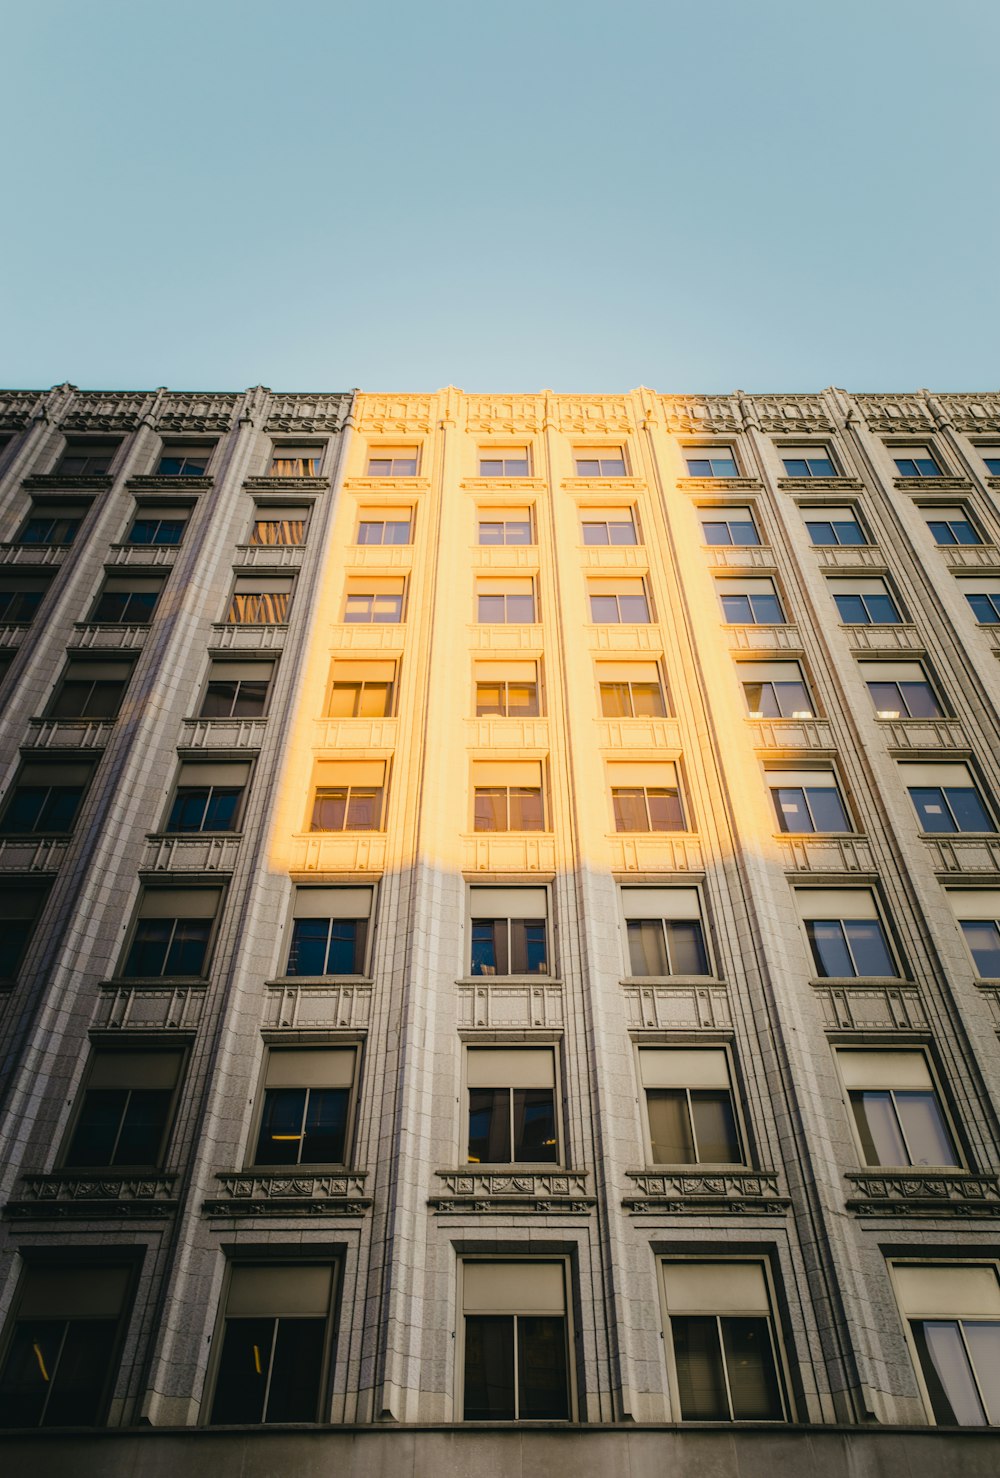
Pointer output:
x,y
817,465
347,808
905,699
950,808
156,531
647,808
841,530
737,528
692,1126
50,529
756,608
954,530
850,947
959,1359
20,905
983,938
712,462
205,808
667,947
45,798
726,1368
505,531
509,947
125,1113
515,1368
507,465
274,1345
328,947
238,697
87,458
600,464
258,607
986,607
614,530
132,607
512,1126
867,608
919,464
19,602
184,461
900,1126
168,947
809,808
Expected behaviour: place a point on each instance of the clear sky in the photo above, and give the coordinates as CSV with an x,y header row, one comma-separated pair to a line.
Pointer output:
x,y
779,195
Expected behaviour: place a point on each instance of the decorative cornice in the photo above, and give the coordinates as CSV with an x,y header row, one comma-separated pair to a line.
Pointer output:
x,y
702,414
113,411
246,1193
681,1192
524,1191
922,1193
93,1195
286,484
932,484
895,413
394,414
307,413
821,484
19,407
972,412
196,413
57,482
790,414
165,484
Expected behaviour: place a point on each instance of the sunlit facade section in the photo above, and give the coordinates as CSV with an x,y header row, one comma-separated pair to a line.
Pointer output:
x,y
500,927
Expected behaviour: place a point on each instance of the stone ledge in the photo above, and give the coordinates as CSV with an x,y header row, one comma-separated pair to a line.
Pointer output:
x,y
165,483
922,1193
286,484
63,1196
524,1191
741,1191
247,1193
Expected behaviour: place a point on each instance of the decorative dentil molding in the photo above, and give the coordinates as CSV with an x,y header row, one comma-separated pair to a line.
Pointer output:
x,y
681,1192
247,1193
98,1195
691,414
547,1191
922,1193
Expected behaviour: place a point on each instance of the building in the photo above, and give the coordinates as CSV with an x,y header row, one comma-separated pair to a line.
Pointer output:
x,y
501,924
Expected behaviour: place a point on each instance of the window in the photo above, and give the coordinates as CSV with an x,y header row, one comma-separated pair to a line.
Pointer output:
x,y
511,461
807,801
61,1356
897,1114
279,525
900,690
87,458
275,1343
646,797
307,1106
374,600
512,1106
237,689
329,931
946,799
90,690
631,690
51,525
991,457
158,524
393,461
729,526
689,1106
623,601
953,1320
257,602
507,689
127,600
385,526
845,933
508,795
807,461
665,932
951,526
608,526
348,795
509,931
725,1364
20,904
775,690
498,526
593,461
915,461
831,526
172,932
750,602
45,797
125,1110
711,461
510,601
184,458
209,797
866,602
361,689
984,597
294,460
20,597
516,1342
978,913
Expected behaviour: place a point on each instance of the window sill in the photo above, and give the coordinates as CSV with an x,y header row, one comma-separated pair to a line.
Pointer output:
x,y
918,1191
172,482
685,980
526,979
94,1194
705,1189
290,1191
271,484
521,1189
291,981
865,982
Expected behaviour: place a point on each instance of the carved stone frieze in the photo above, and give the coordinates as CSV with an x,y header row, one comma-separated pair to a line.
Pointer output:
x,y
930,485
318,1004
718,485
593,414
789,413
58,482
874,1008
922,1193
154,484
195,413
510,1004
837,485
702,413
677,1007
113,411
895,412
394,413
524,1191
499,415
971,412
682,1192
149,1007
307,413
18,408
286,484
245,1193
102,1195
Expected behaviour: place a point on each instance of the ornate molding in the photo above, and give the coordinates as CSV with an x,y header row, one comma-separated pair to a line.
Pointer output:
x,y
394,413
702,413
523,1191
148,1007
318,1003
504,1003
871,1008
972,412
681,1193
790,413
93,1195
286,484
151,483
593,415
677,1007
718,485
922,1193
932,485
820,485
114,411
194,413
245,1193
19,407
58,482
504,414
895,413
307,413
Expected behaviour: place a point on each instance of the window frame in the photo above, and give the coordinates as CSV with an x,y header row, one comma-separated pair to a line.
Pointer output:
x,y
473,907
503,458
493,587
592,518
209,448
73,450
690,453
375,588
67,762
627,900
908,1319
948,1120
215,667
362,948
143,1045
743,587
694,1166
551,1051
775,770
867,670
785,453
371,456
349,786
951,515
145,892
911,452
599,453
898,618
706,519
306,451
565,1265
758,715
245,588
159,512
273,1043
127,669
877,914
241,768
605,680
824,514
603,588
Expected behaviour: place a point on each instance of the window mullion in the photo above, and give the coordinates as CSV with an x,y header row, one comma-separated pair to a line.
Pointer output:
x,y
665,935
302,1127
972,1368
725,1365
329,947
270,1369
53,1374
121,1124
901,1127
692,1128
517,1381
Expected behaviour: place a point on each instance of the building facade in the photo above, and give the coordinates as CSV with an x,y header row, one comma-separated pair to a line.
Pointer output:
x,y
500,930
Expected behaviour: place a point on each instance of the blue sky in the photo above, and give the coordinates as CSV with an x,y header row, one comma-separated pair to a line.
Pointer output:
x,y
218,193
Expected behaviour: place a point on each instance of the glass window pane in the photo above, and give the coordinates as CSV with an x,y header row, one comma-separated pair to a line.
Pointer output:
x,y
767,610
852,610
821,533
295,1371
307,955
346,953
670,1136
280,1139
622,532
919,700
630,809
525,809
947,1375
543,1387
925,1129
325,1127
364,809
686,945
790,809
31,1364
535,1126
882,610
251,699
829,947
743,532
149,947
717,533
698,1363
985,608
522,700
878,1128
869,947
604,610
222,808
737,610
848,532
79,1380
489,938
983,1341
931,810
329,809
647,701
983,938
714,1127
188,947
634,609
646,948
490,699
491,609
241,1383
595,533
489,1368
142,1130
968,809
827,809
615,700
219,699
489,1126
387,610
491,808
665,813
528,947
520,609
761,699
792,698
753,1379
97,1127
